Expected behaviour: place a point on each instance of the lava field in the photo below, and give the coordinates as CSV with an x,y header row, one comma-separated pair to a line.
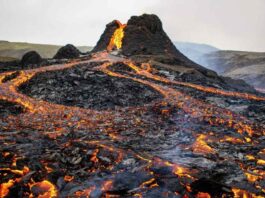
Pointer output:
x,y
109,125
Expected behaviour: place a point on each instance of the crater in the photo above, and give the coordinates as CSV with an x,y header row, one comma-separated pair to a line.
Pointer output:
x,y
82,87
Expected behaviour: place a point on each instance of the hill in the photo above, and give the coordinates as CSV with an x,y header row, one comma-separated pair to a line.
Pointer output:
x,y
248,66
18,49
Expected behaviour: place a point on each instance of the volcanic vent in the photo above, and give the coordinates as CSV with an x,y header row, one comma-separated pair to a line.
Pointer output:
x,y
108,41
179,129
142,35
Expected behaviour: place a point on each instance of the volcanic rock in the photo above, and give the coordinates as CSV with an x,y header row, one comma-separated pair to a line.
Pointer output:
x,y
144,35
67,52
30,58
9,108
82,87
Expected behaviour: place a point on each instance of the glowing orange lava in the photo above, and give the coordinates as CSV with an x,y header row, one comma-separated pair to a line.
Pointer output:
x,y
238,193
45,188
4,187
68,178
86,192
41,112
203,195
116,39
200,145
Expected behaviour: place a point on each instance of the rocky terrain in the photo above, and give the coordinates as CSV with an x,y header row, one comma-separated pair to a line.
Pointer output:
x,y
68,51
126,121
82,87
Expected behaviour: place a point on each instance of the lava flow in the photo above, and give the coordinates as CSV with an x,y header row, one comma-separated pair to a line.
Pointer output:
x,y
173,144
116,39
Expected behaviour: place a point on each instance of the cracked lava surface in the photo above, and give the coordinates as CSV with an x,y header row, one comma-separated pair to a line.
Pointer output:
x,y
173,146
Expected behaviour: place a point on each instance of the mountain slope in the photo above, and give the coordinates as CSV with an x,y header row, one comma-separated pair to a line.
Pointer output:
x,y
248,66
195,51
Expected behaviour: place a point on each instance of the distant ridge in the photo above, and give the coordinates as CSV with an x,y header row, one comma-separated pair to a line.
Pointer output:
x,y
195,51
244,65
18,49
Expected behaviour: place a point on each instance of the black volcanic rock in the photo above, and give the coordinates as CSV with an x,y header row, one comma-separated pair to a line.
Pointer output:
x,y
106,36
68,51
82,87
145,35
9,108
31,57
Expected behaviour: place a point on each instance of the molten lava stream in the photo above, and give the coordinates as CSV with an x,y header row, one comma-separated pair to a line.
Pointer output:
x,y
116,39
8,90
238,193
5,75
44,112
147,74
239,125
194,107
4,187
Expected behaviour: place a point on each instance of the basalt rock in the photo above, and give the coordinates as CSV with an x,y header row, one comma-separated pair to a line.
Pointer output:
x,y
85,88
31,58
67,52
145,35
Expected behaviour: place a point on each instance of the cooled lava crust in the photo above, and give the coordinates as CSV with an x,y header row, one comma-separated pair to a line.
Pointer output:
x,y
82,87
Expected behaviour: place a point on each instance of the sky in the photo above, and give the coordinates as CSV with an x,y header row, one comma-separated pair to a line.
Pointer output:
x,y
226,24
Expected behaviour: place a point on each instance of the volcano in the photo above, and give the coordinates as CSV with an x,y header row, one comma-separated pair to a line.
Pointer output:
x,y
143,39
134,118
142,35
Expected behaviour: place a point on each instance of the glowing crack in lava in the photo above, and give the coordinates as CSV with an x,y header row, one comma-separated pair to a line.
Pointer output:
x,y
116,39
4,187
91,137
45,189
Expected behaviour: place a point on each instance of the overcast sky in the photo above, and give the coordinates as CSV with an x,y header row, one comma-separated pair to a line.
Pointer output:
x,y
227,24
